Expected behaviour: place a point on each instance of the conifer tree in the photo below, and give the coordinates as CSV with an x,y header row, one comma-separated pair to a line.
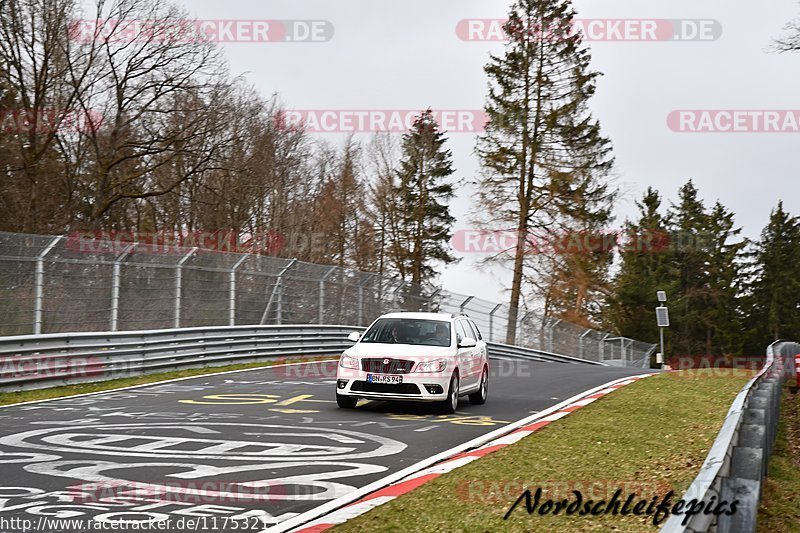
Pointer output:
x,y
423,195
541,143
773,304
646,267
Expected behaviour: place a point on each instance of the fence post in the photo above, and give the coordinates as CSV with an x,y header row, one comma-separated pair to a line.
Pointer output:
x,y
38,303
322,293
361,284
277,292
464,303
115,281
179,286
518,340
580,343
491,321
394,292
232,293
550,335
603,347
432,297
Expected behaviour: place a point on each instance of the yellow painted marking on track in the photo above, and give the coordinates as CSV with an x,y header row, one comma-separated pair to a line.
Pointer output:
x,y
461,420
234,399
257,399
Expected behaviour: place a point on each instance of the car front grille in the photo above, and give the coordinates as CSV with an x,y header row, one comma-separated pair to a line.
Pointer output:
x,y
392,366
403,388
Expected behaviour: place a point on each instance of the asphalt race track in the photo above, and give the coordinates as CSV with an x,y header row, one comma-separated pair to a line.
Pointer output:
x,y
238,451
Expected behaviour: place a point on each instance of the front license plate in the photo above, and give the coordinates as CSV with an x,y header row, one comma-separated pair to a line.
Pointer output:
x,y
385,379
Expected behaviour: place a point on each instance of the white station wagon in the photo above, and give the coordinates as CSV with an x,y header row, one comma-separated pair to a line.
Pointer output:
x,y
423,357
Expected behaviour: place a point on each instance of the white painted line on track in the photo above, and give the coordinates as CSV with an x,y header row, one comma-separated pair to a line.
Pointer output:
x,y
162,382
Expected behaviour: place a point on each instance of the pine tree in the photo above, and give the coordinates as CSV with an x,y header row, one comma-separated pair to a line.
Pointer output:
x,y
646,267
541,143
704,318
689,220
423,195
722,320
774,299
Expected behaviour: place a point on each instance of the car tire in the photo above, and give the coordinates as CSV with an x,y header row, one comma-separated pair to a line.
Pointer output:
x,y
346,402
479,398
450,405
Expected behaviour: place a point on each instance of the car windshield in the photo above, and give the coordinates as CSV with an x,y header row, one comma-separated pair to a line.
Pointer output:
x,y
413,331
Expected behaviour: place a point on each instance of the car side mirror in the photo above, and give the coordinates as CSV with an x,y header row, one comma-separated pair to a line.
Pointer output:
x,y
468,343
354,336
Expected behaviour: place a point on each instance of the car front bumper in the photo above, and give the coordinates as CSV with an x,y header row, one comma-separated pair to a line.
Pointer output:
x,y
416,387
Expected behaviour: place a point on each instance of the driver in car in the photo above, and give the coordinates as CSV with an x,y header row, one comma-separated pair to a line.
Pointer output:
x,y
397,336
442,335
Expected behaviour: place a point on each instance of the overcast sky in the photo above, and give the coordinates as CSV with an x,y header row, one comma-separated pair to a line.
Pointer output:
x,y
407,55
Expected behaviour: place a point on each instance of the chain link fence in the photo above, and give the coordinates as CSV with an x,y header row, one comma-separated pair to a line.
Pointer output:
x,y
62,284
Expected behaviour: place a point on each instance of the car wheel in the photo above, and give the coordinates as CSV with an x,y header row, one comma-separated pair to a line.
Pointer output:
x,y
450,405
479,398
346,402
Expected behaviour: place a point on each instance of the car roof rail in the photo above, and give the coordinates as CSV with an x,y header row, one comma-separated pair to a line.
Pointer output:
x,y
454,315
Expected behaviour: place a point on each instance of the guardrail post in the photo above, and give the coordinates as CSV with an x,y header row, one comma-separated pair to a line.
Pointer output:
x,y
179,287
232,291
491,321
115,282
38,302
322,294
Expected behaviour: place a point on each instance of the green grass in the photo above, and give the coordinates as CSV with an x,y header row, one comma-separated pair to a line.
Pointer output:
x,y
10,398
649,437
780,504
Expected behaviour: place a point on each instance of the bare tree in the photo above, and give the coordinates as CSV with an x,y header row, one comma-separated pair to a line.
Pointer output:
x,y
36,105
790,41
162,96
382,161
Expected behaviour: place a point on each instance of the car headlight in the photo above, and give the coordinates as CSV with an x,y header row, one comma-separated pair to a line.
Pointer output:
x,y
431,366
347,361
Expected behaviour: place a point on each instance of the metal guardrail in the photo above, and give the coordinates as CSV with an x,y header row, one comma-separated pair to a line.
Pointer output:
x,y
736,465
498,349
31,362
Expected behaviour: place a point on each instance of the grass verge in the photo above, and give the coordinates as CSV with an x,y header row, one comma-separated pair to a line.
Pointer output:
x,y
779,509
647,438
10,398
